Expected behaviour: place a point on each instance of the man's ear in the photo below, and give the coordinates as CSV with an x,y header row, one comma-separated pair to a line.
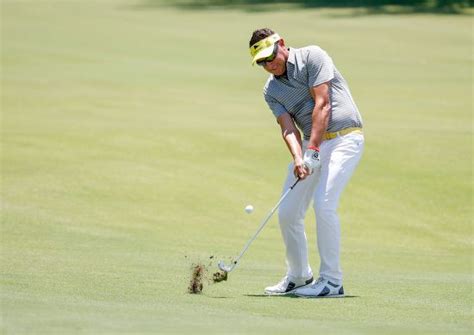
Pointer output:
x,y
281,42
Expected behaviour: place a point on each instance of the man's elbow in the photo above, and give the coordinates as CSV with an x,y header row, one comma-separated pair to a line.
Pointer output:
x,y
286,132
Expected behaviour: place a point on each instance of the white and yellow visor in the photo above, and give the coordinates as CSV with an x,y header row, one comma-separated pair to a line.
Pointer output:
x,y
263,48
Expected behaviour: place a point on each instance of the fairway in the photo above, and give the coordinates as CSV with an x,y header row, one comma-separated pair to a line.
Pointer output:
x,y
134,133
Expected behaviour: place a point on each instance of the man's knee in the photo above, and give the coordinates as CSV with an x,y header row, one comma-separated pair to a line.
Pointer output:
x,y
324,208
286,215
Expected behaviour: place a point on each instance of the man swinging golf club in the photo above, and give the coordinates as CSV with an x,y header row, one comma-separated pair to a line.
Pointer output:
x,y
307,93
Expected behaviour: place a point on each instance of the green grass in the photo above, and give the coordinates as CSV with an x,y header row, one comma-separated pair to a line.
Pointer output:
x,y
133,136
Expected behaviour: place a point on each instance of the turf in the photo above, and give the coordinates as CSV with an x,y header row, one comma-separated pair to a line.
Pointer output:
x,y
134,134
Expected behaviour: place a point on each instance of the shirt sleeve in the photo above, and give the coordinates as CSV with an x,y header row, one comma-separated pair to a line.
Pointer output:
x,y
276,107
320,67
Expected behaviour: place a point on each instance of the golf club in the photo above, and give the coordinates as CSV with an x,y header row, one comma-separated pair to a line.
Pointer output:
x,y
228,268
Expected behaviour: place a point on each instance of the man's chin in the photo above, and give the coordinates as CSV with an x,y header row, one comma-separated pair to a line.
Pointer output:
x,y
278,73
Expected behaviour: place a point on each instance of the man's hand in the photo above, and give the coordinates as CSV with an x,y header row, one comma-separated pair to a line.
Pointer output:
x,y
311,159
300,169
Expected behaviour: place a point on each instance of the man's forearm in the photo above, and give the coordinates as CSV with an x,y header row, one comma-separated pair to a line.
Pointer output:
x,y
290,135
320,119
321,112
292,139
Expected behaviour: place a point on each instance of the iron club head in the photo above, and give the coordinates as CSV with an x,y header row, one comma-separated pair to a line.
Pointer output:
x,y
223,267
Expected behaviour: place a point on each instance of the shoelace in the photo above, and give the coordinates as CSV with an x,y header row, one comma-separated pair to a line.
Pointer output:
x,y
286,280
320,280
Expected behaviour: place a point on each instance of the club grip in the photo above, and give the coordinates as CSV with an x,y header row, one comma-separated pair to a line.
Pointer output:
x,y
296,182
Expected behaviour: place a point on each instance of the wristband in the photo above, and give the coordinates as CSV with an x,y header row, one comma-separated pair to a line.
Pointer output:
x,y
312,147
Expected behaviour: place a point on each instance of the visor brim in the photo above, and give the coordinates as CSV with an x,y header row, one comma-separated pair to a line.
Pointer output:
x,y
264,53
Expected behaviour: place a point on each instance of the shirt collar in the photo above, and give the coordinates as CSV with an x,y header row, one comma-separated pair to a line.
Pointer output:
x,y
291,56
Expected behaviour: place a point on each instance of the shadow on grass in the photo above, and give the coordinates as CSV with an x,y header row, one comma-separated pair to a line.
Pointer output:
x,y
217,297
360,6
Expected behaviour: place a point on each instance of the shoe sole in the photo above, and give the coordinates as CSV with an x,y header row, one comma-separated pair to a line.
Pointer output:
x,y
319,297
279,294
292,292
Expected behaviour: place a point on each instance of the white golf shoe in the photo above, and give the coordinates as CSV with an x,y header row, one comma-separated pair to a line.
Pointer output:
x,y
287,286
322,288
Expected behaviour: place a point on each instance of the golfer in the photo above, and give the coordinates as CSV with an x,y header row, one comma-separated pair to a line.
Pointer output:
x,y
307,94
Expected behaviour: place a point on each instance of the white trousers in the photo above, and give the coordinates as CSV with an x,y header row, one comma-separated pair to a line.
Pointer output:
x,y
339,158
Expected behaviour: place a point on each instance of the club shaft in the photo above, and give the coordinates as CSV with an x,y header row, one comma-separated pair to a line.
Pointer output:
x,y
262,225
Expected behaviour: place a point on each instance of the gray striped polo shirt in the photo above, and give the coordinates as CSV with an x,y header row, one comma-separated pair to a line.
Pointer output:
x,y
307,67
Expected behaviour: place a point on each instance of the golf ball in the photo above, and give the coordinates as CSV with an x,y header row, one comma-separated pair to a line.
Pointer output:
x,y
249,209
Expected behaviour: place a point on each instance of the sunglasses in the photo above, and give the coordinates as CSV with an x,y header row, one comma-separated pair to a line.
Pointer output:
x,y
264,61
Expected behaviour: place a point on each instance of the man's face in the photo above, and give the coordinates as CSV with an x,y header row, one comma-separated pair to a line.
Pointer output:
x,y
277,66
